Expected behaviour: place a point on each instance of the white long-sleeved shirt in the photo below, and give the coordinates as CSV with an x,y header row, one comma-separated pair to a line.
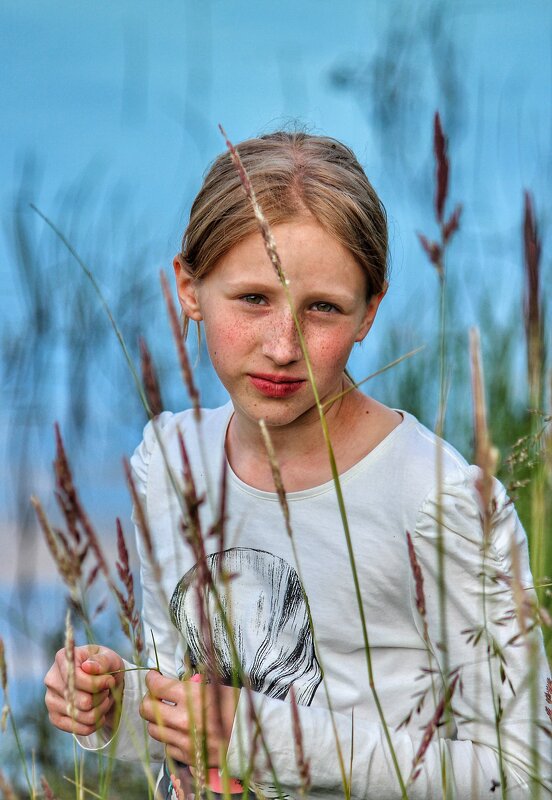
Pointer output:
x,y
392,490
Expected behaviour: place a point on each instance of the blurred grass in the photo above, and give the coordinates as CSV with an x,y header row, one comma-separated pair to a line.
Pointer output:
x,y
59,358
73,341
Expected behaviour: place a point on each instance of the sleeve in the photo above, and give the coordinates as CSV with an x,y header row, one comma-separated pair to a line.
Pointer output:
x,y
496,678
130,741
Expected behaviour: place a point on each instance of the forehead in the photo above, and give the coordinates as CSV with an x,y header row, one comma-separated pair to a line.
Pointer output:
x,y
305,248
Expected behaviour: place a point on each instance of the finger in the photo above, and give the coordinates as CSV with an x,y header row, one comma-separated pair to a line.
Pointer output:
x,y
103,661
80,654
171,737
56,680
58,675
61,707
53,678
160,712
93,684
82,723
165,688
86,651
178,754
85,701
94,676
94,719
65,723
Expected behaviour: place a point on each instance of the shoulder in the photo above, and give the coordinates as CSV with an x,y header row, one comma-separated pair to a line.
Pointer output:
x,y
444,486
449,501
421,462
161,433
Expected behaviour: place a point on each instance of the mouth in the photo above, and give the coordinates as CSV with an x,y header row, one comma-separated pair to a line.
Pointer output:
x,y
276,385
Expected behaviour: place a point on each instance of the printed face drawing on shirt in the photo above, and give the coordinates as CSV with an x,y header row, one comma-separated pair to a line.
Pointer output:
x,y
264,604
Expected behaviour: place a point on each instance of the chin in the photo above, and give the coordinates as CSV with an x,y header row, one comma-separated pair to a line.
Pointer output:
x,y
278,417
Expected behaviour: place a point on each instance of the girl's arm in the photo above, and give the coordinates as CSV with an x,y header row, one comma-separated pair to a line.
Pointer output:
x,y
497,673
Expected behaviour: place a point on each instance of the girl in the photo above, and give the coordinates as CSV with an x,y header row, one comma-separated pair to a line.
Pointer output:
x,y
272,612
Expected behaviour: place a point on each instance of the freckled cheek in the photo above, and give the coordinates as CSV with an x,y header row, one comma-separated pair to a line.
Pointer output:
x,y
329,351
228,341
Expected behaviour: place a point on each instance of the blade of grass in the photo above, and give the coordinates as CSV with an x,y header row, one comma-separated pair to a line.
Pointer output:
x,y
90,275
270,246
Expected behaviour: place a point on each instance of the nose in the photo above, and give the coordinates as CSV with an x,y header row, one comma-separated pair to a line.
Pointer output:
x,y
281,342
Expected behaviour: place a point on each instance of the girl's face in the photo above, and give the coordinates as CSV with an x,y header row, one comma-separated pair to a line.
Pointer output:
x,y
249,328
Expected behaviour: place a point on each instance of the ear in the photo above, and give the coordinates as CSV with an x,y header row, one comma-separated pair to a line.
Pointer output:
x,y
186,287
370,315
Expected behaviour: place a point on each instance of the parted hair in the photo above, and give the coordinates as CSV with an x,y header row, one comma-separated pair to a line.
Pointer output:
x,y
293,174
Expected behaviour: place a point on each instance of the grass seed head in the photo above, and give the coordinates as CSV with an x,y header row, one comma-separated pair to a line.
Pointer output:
x,y
178,336
78,523
432,726
442,167
302,762
533,310
142,523
268,238
47,789
70,662
150,380
486,456
3,667
130,619
276,475
6,788
418,577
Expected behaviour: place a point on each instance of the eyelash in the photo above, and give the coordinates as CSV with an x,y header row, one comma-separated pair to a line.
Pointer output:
x,y
257,300
331,306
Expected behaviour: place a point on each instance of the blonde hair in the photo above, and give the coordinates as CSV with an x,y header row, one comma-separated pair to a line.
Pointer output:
x,y
293,174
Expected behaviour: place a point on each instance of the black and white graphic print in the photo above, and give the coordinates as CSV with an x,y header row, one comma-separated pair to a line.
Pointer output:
x,y
264,605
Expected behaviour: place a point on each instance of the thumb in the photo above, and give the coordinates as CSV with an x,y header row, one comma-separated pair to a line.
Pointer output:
x,y
100,661
88,654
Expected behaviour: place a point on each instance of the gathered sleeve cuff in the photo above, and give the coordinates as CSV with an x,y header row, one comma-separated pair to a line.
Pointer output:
x,y
130,742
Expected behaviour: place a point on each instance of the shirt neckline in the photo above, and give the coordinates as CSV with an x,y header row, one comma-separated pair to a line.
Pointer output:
x,y
313,491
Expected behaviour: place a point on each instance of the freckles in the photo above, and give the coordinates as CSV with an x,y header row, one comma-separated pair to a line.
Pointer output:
x,y
225,340
333,349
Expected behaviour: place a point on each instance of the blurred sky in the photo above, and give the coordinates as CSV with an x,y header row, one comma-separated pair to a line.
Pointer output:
x,y
122,99
133,92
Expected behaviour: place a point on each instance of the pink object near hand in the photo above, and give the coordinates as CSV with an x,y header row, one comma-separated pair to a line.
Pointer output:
x,y
214,777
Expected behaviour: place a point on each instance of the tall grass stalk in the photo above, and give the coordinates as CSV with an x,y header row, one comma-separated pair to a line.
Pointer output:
x,y
486,459
90,275
270,246
536,355
282,499
436,252
8,713
188,378
534,332
187,375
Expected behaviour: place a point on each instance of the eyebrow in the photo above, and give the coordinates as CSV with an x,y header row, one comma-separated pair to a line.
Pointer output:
x,y
247,283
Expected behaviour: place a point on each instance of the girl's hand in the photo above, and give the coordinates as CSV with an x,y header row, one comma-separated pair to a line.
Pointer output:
x,y
98,694
177,710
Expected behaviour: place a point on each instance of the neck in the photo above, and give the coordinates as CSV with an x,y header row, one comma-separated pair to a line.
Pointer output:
x,y
300,447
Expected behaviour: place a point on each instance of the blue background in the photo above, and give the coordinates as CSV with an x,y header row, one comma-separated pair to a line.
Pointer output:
x,y
109,119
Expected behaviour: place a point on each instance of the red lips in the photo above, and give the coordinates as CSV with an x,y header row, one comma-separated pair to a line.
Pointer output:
x,y
276,385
